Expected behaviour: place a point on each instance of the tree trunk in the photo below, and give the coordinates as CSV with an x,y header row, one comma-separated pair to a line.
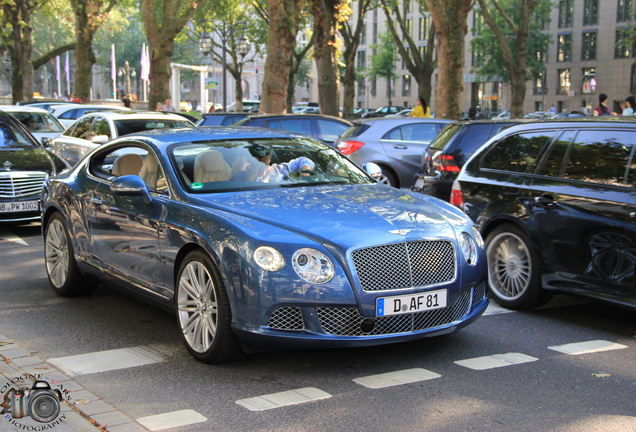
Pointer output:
x,y
326,31
20,47
349,86
450,19
283,27
84,56
160,73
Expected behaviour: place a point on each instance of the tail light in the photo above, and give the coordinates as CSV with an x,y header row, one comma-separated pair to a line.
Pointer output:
x,y
445,163
348,147
456,197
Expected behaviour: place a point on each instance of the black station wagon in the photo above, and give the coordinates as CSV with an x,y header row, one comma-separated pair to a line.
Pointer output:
x,y
556,202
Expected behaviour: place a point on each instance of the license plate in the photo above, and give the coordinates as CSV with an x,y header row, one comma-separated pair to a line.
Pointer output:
x,y
20,206
398,305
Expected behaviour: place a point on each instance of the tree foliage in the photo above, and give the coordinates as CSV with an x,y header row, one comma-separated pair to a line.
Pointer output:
x,y
383,61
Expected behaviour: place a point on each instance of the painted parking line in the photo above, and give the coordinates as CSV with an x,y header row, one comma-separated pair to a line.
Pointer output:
x,y
286,398
171,420
7,235
391,379
587,347
104,361
496,361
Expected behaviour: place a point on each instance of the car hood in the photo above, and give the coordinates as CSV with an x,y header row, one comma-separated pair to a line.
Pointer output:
x,y
29,159
347,215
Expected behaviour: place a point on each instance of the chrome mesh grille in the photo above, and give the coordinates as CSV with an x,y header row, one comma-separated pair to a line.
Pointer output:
x,y
286,318
21,184
405,265
479,292
346,321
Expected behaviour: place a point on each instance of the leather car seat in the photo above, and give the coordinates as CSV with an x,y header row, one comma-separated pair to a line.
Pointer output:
x,y
127,164
210,166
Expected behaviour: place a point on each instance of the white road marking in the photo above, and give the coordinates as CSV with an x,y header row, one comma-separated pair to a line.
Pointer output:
x,y
494,309
286,398
7,235
496,361
103,361
587,347
171,420
390,379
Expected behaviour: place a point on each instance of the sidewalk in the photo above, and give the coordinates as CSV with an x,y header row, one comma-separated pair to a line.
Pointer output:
x,y
80,411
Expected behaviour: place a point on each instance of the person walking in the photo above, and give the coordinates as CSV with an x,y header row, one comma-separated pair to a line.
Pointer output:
x,y
602,109
630,104
421,109
167,106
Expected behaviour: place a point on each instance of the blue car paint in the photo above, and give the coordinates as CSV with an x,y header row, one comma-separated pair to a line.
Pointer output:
x,y
231,225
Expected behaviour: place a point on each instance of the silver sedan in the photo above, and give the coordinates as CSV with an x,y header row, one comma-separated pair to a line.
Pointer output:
x,y
395,144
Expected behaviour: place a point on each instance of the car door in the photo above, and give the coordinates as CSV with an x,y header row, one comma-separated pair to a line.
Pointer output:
x,y
123,230
586,190
404,146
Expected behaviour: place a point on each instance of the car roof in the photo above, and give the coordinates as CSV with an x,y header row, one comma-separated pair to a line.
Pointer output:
x,y
575,122
23,108
66,107
135,115
379,120
298,115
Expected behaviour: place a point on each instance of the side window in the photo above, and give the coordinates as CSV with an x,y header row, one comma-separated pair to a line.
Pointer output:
x,y
517,153
601,157
330,131
296,125
69,115
475,137
124,160
421,132
100,127
394,134
83,128
553,164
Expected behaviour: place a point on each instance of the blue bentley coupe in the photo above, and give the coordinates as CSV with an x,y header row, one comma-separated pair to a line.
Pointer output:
x,y
261,238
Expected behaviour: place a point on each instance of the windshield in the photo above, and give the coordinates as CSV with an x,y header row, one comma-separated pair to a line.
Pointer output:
x,y
125,127
14,137
39,122
209,166
445,136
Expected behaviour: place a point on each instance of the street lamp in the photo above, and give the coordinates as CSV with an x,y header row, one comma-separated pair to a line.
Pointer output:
x,y
225,32
127,72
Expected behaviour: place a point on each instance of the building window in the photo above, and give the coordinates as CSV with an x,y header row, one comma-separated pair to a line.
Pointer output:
x,y
590,12
362,59
623,46
374,87
624,9
563,81
422,50
407,7
424,27
564,47
539,83
542,21
589,46
406,85
565,13
363,34
374,36
409,27
478,22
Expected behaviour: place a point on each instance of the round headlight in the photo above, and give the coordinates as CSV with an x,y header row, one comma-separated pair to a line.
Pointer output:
x,y
469,249
313,265
269,258
478,238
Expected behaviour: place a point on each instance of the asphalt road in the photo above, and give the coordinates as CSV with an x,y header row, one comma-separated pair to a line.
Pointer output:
x,y
529,385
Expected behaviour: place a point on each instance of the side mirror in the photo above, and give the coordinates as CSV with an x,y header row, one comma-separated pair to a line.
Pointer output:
x,y
46,142
373,170
131,185
100,139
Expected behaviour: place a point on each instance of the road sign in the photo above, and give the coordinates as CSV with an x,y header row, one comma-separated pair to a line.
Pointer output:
x,y
211,83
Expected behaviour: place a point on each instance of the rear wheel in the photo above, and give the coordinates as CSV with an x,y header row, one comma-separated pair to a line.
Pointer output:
x,y
203,311
61,268
514,277
388,177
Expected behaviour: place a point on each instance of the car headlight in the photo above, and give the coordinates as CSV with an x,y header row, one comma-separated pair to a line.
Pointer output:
x,y
313,265
469,248
269,258
478,238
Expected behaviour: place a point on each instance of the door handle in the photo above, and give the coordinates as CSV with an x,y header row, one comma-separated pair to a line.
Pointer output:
x,y
96,202
400,147
545,200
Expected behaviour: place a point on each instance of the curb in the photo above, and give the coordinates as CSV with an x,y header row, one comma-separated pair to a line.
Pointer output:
x,y
82,410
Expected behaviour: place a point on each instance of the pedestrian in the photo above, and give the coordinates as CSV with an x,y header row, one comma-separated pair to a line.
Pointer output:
x,y
630,104
126,101
602,109
159,107
421,109
167,106
75,99
472,113
553,109
212,108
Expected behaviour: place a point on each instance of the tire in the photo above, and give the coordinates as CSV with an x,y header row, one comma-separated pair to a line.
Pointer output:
x,y
64,274
388,178
205,317
514,277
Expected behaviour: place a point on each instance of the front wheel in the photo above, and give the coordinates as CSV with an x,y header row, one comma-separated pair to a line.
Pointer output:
x,y
64,275
203,311
388,178
514,278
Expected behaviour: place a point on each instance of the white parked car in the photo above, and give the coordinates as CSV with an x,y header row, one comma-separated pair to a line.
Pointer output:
x,y
95,129
40,122
68,113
